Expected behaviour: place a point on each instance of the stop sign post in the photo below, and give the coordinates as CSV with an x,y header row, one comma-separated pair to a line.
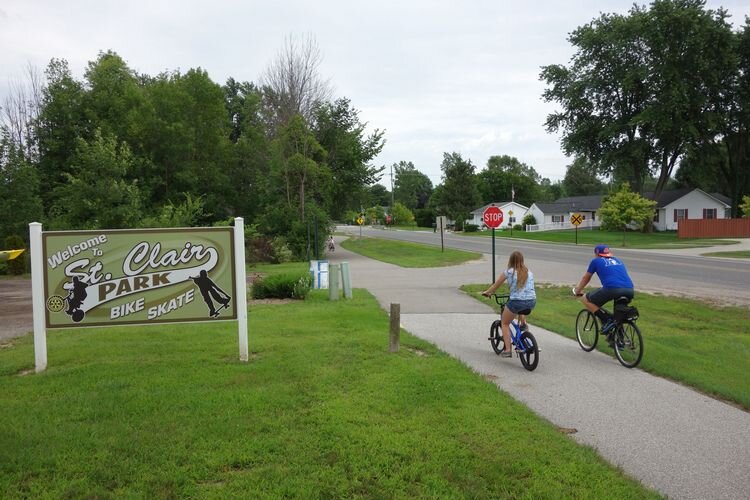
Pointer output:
x,y
492,217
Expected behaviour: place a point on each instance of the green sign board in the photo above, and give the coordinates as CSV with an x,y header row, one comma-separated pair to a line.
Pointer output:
x,y
144,276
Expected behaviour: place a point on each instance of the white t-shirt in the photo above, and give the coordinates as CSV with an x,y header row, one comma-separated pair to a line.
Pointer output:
x,y
526,292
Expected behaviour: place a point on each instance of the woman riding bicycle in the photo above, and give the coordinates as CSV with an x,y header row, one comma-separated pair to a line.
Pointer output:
x,y
615,282
522,295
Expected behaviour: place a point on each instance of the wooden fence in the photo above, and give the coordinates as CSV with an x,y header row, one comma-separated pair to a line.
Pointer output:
x,y
713,228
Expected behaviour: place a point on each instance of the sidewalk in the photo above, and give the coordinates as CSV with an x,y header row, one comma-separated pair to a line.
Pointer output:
x,y
680,442
743,244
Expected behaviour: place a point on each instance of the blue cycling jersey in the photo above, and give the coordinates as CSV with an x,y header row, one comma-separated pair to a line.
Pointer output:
x,y
611,271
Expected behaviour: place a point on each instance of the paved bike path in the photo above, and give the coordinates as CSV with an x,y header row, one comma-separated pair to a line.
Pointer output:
x,y
673,439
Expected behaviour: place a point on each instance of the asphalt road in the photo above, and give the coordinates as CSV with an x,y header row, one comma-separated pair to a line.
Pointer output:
x,y
721,280
673,439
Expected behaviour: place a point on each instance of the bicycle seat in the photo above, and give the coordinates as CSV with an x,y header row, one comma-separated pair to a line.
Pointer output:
x,y
525,312
623,300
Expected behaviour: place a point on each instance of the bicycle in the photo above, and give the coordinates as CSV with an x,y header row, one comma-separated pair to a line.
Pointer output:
x,y
624,337
525,344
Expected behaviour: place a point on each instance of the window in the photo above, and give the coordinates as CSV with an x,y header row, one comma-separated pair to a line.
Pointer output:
x,y
709,213
680,214
512,220
558,218
656,216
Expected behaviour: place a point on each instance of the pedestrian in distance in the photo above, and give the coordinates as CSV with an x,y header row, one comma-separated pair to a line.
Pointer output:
x,y
615,282
522,296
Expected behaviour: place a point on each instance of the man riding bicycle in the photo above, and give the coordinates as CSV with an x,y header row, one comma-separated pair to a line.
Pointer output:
x,y
615,282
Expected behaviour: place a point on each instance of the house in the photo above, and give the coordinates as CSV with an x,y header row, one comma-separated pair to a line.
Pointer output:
x,y
671,207
556,214
674,206
513,213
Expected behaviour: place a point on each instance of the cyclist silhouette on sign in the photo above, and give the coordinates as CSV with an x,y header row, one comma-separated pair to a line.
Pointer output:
x,y
75,298
210,289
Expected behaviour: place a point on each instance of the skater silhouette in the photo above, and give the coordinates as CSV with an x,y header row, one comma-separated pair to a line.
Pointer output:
x,y
75,298
210,289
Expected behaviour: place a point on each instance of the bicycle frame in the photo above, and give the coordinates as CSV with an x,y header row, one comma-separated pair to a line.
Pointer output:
x,y
515,332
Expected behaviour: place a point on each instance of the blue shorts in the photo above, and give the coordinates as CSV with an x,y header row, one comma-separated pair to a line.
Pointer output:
x,y
604,295
515,305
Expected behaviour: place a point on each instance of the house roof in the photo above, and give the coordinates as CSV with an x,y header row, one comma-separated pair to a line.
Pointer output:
x,y
497,204
594,202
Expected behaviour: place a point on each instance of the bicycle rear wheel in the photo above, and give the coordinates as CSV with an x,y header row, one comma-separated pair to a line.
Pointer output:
x,y
496,337
628,345
530,355
587,330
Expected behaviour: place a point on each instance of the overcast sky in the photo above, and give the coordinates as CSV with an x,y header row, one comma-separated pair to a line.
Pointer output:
x,y
437,76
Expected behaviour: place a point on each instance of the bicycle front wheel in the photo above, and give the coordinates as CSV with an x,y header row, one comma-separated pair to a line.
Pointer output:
x,y
496,337
530,354
587,330
628,345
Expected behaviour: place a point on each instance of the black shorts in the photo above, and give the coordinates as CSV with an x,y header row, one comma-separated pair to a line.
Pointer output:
x,y
604,295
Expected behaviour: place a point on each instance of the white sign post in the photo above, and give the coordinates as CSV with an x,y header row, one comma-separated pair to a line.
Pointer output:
x,y
37,297
241,280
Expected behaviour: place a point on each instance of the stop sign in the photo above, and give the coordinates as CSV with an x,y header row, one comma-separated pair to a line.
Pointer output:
x,y
492,216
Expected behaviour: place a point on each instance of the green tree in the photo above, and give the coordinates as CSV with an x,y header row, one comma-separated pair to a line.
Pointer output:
x,y
506,175
20,202
745,206
625,208
349,152
637,90
401,215
97,194
411,187
581,179
459,194
377,194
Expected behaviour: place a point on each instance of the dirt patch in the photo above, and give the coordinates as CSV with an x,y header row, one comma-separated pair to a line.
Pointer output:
x,y
16,313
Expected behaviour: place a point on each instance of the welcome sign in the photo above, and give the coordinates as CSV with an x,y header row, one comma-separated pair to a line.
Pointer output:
x,y
111,277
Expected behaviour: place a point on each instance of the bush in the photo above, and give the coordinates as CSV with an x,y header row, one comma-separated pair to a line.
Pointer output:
x,y
518,227
425,217
16,266
282,286
529,220
470,228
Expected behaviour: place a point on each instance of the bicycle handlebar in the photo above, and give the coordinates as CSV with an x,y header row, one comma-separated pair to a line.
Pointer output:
x,y
498,297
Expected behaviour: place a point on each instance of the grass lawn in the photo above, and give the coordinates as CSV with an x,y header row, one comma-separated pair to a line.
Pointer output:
x,y
321,410
591,237
700,345
740,254
406,254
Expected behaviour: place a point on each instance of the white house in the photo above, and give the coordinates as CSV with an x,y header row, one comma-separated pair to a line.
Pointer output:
x,y
671,207
556,214
513,213
674,206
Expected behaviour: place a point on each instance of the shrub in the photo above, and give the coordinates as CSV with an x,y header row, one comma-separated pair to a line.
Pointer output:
x,y
282,286
470,228
529,220
518,227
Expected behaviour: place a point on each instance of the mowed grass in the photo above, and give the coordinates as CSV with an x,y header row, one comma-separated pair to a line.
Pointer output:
x,y
591,237
322,410
698,344
740,254
406,254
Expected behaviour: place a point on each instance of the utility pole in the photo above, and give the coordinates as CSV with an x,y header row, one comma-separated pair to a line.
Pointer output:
x,y
391,189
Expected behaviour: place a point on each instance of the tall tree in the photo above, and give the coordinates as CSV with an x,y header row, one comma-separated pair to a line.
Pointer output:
x,y
411,187
292,83
20,202
638,87
349,153
506,177
97,193
581,179
20,113
459,194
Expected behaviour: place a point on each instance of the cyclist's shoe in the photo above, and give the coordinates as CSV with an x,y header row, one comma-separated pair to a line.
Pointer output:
x,y
508,354
608,326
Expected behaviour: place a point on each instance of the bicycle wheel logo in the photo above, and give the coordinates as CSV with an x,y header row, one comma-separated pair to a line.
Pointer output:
x,y
55,304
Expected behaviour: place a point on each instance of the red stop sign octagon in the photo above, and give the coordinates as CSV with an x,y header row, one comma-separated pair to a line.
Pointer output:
x,y
493,217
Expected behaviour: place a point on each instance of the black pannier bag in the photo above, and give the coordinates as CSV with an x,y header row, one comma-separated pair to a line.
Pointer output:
x,y
625,312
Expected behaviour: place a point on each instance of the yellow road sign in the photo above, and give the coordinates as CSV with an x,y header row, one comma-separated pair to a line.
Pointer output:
x,y
360,220
576,219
